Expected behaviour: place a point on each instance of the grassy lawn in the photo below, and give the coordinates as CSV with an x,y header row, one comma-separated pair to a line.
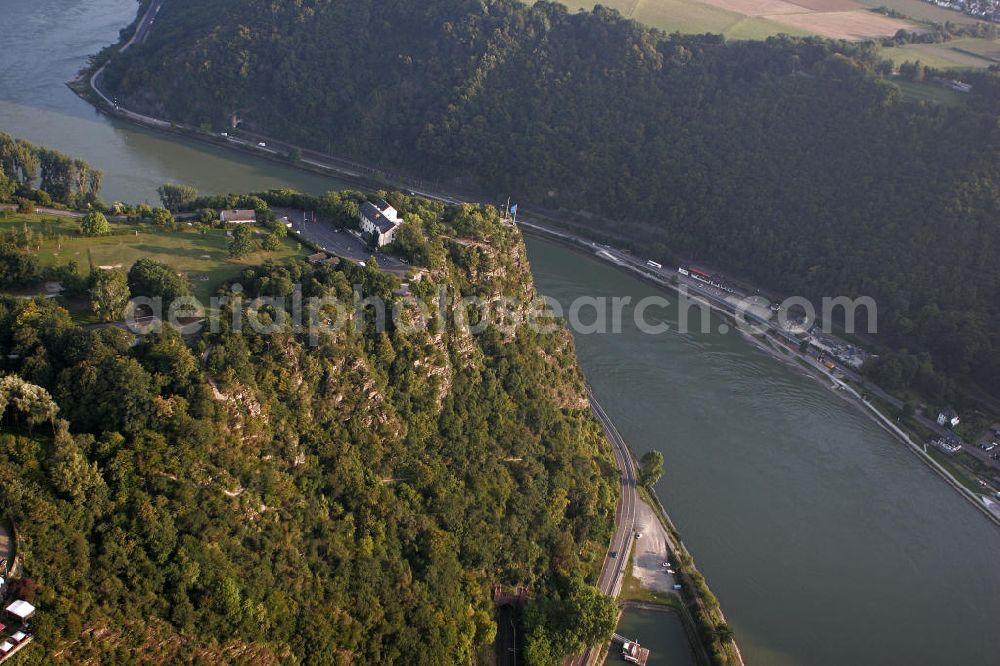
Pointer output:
x,y
929,92
202,256
685,16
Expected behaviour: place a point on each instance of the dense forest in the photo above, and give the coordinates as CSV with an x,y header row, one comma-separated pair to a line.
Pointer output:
x,y
794,162
244,497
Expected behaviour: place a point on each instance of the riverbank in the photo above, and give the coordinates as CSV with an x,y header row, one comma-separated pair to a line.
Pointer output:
x,y
702,607
648,585
776,348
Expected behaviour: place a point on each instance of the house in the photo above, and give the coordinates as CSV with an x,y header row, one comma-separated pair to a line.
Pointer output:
x,y
321,258
948,418
949,444
380,221
242,216
21,609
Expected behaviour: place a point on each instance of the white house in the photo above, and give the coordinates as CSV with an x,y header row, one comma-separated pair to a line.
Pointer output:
x,y
242,216
948,418
380,221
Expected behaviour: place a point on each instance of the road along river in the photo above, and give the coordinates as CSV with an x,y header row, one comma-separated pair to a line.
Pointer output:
x,y
826,541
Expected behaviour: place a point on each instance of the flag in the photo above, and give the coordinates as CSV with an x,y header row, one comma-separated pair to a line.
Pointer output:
x,y
513,209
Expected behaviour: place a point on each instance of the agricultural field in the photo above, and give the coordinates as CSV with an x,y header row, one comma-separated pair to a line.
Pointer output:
x,y
758,19
202,256
968,53
918,10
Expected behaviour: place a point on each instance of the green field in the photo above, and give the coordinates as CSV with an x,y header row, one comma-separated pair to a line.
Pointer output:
x,y
919,10
967,53
690,16
929,92
203,257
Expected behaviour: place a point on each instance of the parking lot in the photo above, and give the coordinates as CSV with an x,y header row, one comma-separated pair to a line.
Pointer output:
x,y
346,243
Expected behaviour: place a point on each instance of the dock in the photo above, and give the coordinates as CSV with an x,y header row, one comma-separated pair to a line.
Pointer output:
x,y
631,652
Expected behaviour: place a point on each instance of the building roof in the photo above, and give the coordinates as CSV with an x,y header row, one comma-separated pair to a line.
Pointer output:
x,y
239,215
21,609
384,224
19,636
381,222
386,209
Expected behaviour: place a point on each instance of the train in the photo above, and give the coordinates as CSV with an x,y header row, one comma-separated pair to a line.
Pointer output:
x,y
717,280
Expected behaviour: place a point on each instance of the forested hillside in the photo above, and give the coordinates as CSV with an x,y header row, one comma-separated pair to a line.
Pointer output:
x,y
45,176
244,497
791,161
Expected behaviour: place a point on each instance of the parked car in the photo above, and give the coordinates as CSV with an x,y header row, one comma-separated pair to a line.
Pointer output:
x,y
262,144
678,586
613,554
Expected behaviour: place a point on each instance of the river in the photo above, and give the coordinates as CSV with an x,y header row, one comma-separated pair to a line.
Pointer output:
x,y
45,44
826,541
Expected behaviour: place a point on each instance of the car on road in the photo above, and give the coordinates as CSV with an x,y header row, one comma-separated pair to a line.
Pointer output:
x,y
262,144
678,586
613,554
